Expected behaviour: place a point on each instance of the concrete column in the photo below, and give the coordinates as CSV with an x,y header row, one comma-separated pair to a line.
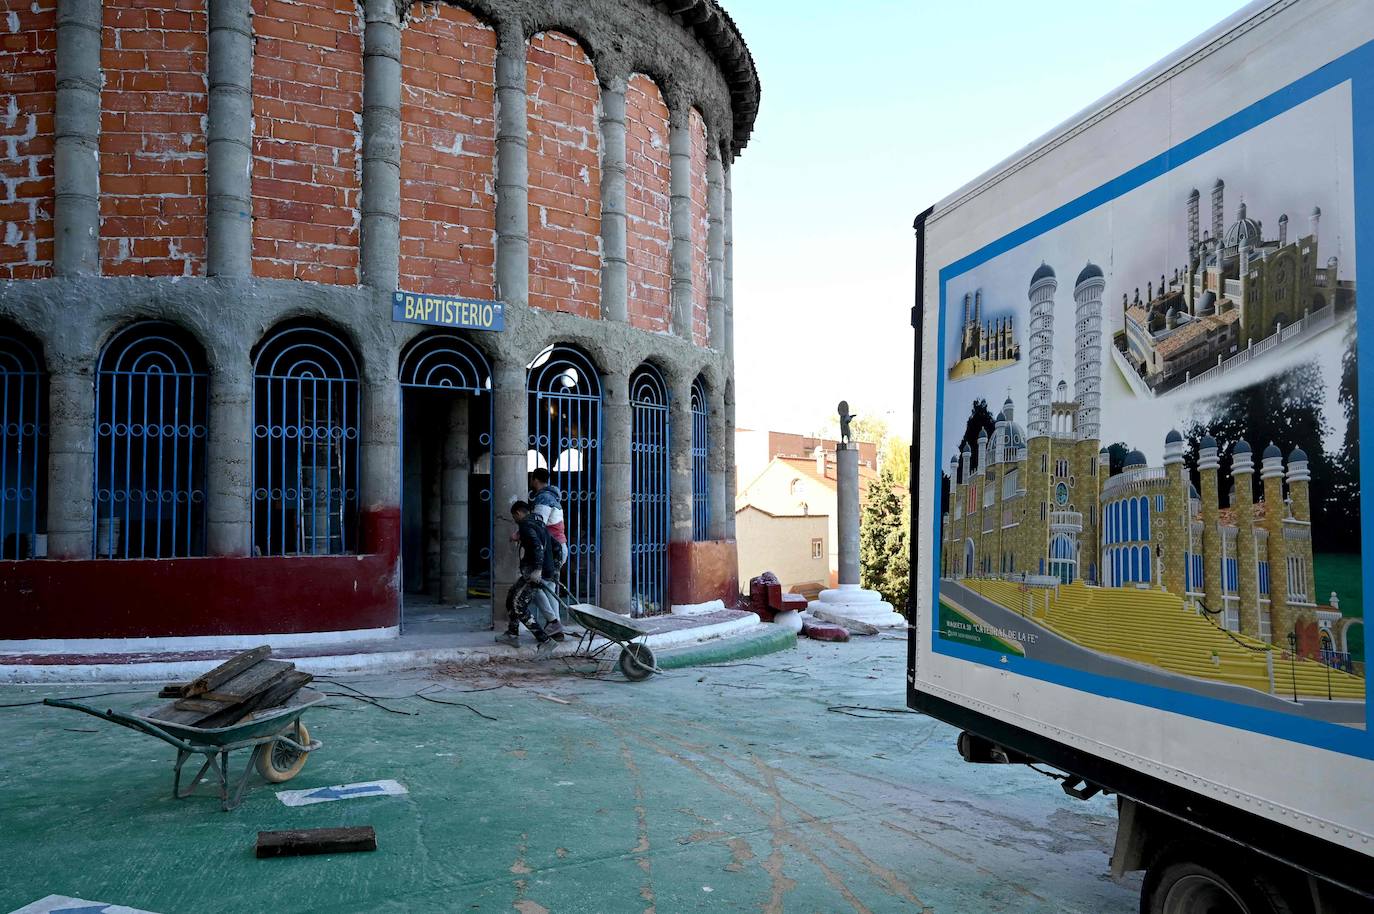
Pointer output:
x,y
616,511
229,448
728,242
229,140
456,463
719,470
614,256
512,173
728,443
680,460
509,475
71,420
1242,500
847,511
680,185
715,247
379,452
76,142
381,196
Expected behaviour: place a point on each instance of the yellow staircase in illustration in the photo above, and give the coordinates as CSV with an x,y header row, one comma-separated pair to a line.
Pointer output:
x,y
1156,628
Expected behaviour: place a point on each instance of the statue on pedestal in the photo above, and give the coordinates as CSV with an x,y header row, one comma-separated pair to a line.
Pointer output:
x,y
845,417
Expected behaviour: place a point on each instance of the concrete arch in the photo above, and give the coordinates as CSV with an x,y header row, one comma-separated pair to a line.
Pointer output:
x,y
320,322
1341,632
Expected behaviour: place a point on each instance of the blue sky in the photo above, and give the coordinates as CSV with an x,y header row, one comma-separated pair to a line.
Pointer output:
x,y
872,110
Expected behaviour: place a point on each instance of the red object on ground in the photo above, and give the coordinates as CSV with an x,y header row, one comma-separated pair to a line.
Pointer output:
x,y
767,599
229,595
824,631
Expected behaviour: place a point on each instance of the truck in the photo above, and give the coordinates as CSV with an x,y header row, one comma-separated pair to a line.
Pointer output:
x,y
1139,527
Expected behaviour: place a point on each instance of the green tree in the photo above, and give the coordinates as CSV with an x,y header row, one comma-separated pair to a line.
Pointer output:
x,y
894,453
884,541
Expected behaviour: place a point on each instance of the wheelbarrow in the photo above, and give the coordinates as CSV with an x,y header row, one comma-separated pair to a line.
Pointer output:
x,y
278,740
636,660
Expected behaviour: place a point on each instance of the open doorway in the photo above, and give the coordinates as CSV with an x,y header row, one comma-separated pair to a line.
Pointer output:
x,y
446,518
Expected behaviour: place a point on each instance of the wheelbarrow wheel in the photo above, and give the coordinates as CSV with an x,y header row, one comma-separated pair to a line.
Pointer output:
x,y
636,661
279,762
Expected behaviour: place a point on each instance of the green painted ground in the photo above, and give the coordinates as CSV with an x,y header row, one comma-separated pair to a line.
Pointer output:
x,y
727,788
955,626
1340,571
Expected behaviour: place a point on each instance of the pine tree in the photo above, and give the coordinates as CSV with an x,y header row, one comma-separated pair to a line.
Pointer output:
x,y
884,541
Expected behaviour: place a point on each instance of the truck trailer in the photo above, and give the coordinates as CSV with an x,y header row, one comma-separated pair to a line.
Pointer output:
x,y
1140,532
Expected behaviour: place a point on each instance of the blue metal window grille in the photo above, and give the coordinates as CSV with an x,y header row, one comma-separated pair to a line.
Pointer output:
x,y
23,446
1198,579
1263,577
151,399
650,505
447,361
1231,571
701,480
305,444
564,393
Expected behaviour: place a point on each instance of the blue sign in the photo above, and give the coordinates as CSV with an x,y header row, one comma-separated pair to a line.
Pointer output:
x,y
448,311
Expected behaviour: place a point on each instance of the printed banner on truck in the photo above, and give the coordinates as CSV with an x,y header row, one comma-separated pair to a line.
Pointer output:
x,y
1149,436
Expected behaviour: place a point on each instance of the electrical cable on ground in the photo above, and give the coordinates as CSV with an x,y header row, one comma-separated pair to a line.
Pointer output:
x,y
848,711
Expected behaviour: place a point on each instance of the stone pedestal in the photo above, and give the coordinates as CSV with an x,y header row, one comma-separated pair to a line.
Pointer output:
x,y
851,602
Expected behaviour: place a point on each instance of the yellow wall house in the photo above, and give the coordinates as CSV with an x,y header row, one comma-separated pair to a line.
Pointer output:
x,y
794,547
789,487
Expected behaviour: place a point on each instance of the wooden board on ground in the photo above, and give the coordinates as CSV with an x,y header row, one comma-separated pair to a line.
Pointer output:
x,y
279,693
227,670
298,842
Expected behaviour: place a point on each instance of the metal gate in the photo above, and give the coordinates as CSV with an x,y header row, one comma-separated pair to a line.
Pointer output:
x,y
23,448
151,398
650,504
305,444
701,481
447,361
564,393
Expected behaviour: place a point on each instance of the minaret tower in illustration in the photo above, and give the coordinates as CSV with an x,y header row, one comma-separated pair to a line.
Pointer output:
x,y
1042,288
1087,369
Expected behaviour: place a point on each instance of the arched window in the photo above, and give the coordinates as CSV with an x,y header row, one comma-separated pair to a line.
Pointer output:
x,y
305,443
1135,565
23,445
151,399
701,481
1146,560
564,393
650,505
1135,519
1145,518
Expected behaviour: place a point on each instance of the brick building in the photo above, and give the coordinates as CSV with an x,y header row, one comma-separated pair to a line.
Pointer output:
x,y
216,426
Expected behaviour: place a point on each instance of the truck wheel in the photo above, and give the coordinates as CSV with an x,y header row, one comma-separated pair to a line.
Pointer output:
x,y
1176,883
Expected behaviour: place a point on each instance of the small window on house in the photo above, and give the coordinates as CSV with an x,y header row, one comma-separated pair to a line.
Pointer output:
x,y
817,548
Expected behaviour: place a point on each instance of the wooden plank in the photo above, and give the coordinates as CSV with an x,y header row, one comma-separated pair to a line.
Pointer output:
x,y
299,842
172,715
262,675
228,670
174,690
275,696
203,705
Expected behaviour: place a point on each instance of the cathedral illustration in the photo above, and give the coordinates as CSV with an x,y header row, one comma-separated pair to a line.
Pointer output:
x,y
984,345
1039,505
1240,295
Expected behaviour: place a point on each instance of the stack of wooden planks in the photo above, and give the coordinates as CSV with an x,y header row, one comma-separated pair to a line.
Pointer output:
x,y
231,691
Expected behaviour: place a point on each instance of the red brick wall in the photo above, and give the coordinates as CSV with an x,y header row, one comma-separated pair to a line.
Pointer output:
x,y
152,138
307,114
564,176
647,205
701,329
448,152
27,83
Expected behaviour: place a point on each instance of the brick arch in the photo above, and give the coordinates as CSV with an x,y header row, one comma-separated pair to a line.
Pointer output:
x,y
648,232
699,146
564,175
448,152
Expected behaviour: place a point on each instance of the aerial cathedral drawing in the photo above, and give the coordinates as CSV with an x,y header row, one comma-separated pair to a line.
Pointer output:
x,y
1239,297
984,345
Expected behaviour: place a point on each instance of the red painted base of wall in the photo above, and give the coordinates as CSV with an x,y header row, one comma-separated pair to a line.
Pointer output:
x,y
703,571
170,598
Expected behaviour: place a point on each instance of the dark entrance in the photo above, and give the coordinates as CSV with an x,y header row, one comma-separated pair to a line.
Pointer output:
x,y
446,470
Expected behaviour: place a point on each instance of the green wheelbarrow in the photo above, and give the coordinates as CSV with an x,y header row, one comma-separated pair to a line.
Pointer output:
x,y
278,740
636,660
